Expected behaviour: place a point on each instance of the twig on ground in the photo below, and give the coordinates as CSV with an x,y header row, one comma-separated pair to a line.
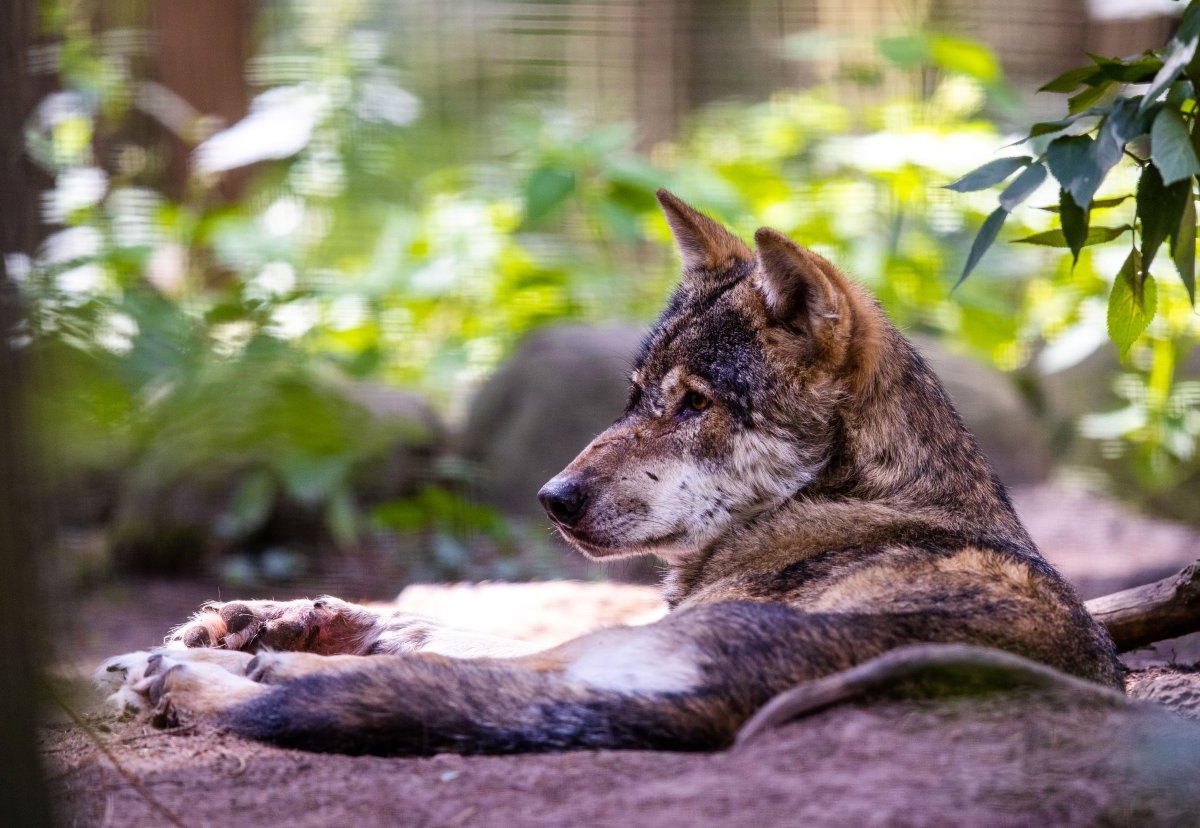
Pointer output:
x,y
129,778
184,730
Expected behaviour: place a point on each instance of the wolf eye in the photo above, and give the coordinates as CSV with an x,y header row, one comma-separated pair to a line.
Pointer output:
x,y
694,401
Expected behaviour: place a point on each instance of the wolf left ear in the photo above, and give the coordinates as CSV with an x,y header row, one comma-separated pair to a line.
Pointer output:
x,y
703,243
798,285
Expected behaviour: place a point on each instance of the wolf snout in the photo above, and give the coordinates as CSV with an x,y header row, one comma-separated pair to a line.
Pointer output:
x,y
564,499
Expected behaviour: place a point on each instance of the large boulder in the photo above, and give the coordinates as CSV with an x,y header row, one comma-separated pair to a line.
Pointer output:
x,y
1008,429
563,386
265,467
1086,386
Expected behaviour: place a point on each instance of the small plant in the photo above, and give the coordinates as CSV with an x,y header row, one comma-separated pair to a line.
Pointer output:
x,y
1104,124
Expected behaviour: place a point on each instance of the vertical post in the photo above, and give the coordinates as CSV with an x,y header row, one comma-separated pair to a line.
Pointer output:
x,y
23,799
201,56
660,62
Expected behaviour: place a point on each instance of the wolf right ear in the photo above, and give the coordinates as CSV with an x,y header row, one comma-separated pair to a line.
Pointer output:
x,y
703,243
799,286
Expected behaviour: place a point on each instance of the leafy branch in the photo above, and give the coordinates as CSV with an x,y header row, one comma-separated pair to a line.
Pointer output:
x,y
1103,122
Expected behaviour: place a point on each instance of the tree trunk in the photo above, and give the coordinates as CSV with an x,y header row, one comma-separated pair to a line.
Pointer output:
x,y
23,799
202,50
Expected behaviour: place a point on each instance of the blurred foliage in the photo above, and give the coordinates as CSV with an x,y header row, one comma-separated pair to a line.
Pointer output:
x,y
377,241
1129,160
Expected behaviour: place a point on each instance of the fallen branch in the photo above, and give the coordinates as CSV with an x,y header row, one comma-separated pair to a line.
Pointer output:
x,y
1142,615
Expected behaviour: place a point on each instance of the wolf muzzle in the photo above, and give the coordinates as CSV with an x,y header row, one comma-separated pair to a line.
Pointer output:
x,y
565,500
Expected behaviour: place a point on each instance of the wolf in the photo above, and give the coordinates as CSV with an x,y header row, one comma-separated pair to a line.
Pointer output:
x,y
829,529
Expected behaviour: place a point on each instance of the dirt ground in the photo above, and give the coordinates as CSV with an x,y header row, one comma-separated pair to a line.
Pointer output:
x,y
1038,759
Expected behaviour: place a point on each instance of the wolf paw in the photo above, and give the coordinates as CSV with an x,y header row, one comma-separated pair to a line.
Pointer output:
x,y
117,677
325,625
163,684
271,667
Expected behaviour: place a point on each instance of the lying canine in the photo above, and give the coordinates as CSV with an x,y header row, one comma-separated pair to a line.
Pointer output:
x,y
823,513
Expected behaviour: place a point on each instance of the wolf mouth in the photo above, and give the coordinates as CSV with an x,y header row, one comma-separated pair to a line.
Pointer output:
x,y
596,548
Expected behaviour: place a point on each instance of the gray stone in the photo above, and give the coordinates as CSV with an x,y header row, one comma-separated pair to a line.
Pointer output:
x,y
563,386
1005,424
177,509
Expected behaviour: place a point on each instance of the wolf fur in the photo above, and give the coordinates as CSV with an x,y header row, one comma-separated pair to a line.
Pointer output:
x,y
819,505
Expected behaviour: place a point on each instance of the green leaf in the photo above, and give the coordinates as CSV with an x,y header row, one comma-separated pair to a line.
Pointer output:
x,y
1140,70
1181,91
1072,79
1189,24
1177,55
987,235
1183,246
1131,305
1022,186
620,221
905,51
251,505
966,57
1056,238
312,479
1097,204
1080,163
1171,147
1122,124
1071,160
546,188
1074,220
1160,209
1046,127
405,515
990,174
1088,97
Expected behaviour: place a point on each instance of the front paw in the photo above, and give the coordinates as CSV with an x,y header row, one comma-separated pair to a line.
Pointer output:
x,y
169,685
118,676
325,625
271,667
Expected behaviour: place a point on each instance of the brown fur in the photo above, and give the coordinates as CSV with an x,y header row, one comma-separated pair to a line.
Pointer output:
x,y
816,498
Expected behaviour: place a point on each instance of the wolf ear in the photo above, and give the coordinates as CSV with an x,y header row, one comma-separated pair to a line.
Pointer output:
x,y
798,285
703,244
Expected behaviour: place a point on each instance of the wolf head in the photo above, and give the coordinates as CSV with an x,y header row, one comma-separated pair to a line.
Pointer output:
x,y
737,397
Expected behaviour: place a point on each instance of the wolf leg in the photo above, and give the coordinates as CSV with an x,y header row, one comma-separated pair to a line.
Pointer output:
x,y
119,676
330,626
192,681
143,682
687,682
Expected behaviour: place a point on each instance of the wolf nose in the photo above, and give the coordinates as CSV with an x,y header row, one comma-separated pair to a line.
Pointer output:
x,y
564,500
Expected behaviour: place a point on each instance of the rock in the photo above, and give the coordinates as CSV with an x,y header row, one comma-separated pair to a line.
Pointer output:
x,y
563,386
418,435
256,468
1005,424
1086,387
1173,687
